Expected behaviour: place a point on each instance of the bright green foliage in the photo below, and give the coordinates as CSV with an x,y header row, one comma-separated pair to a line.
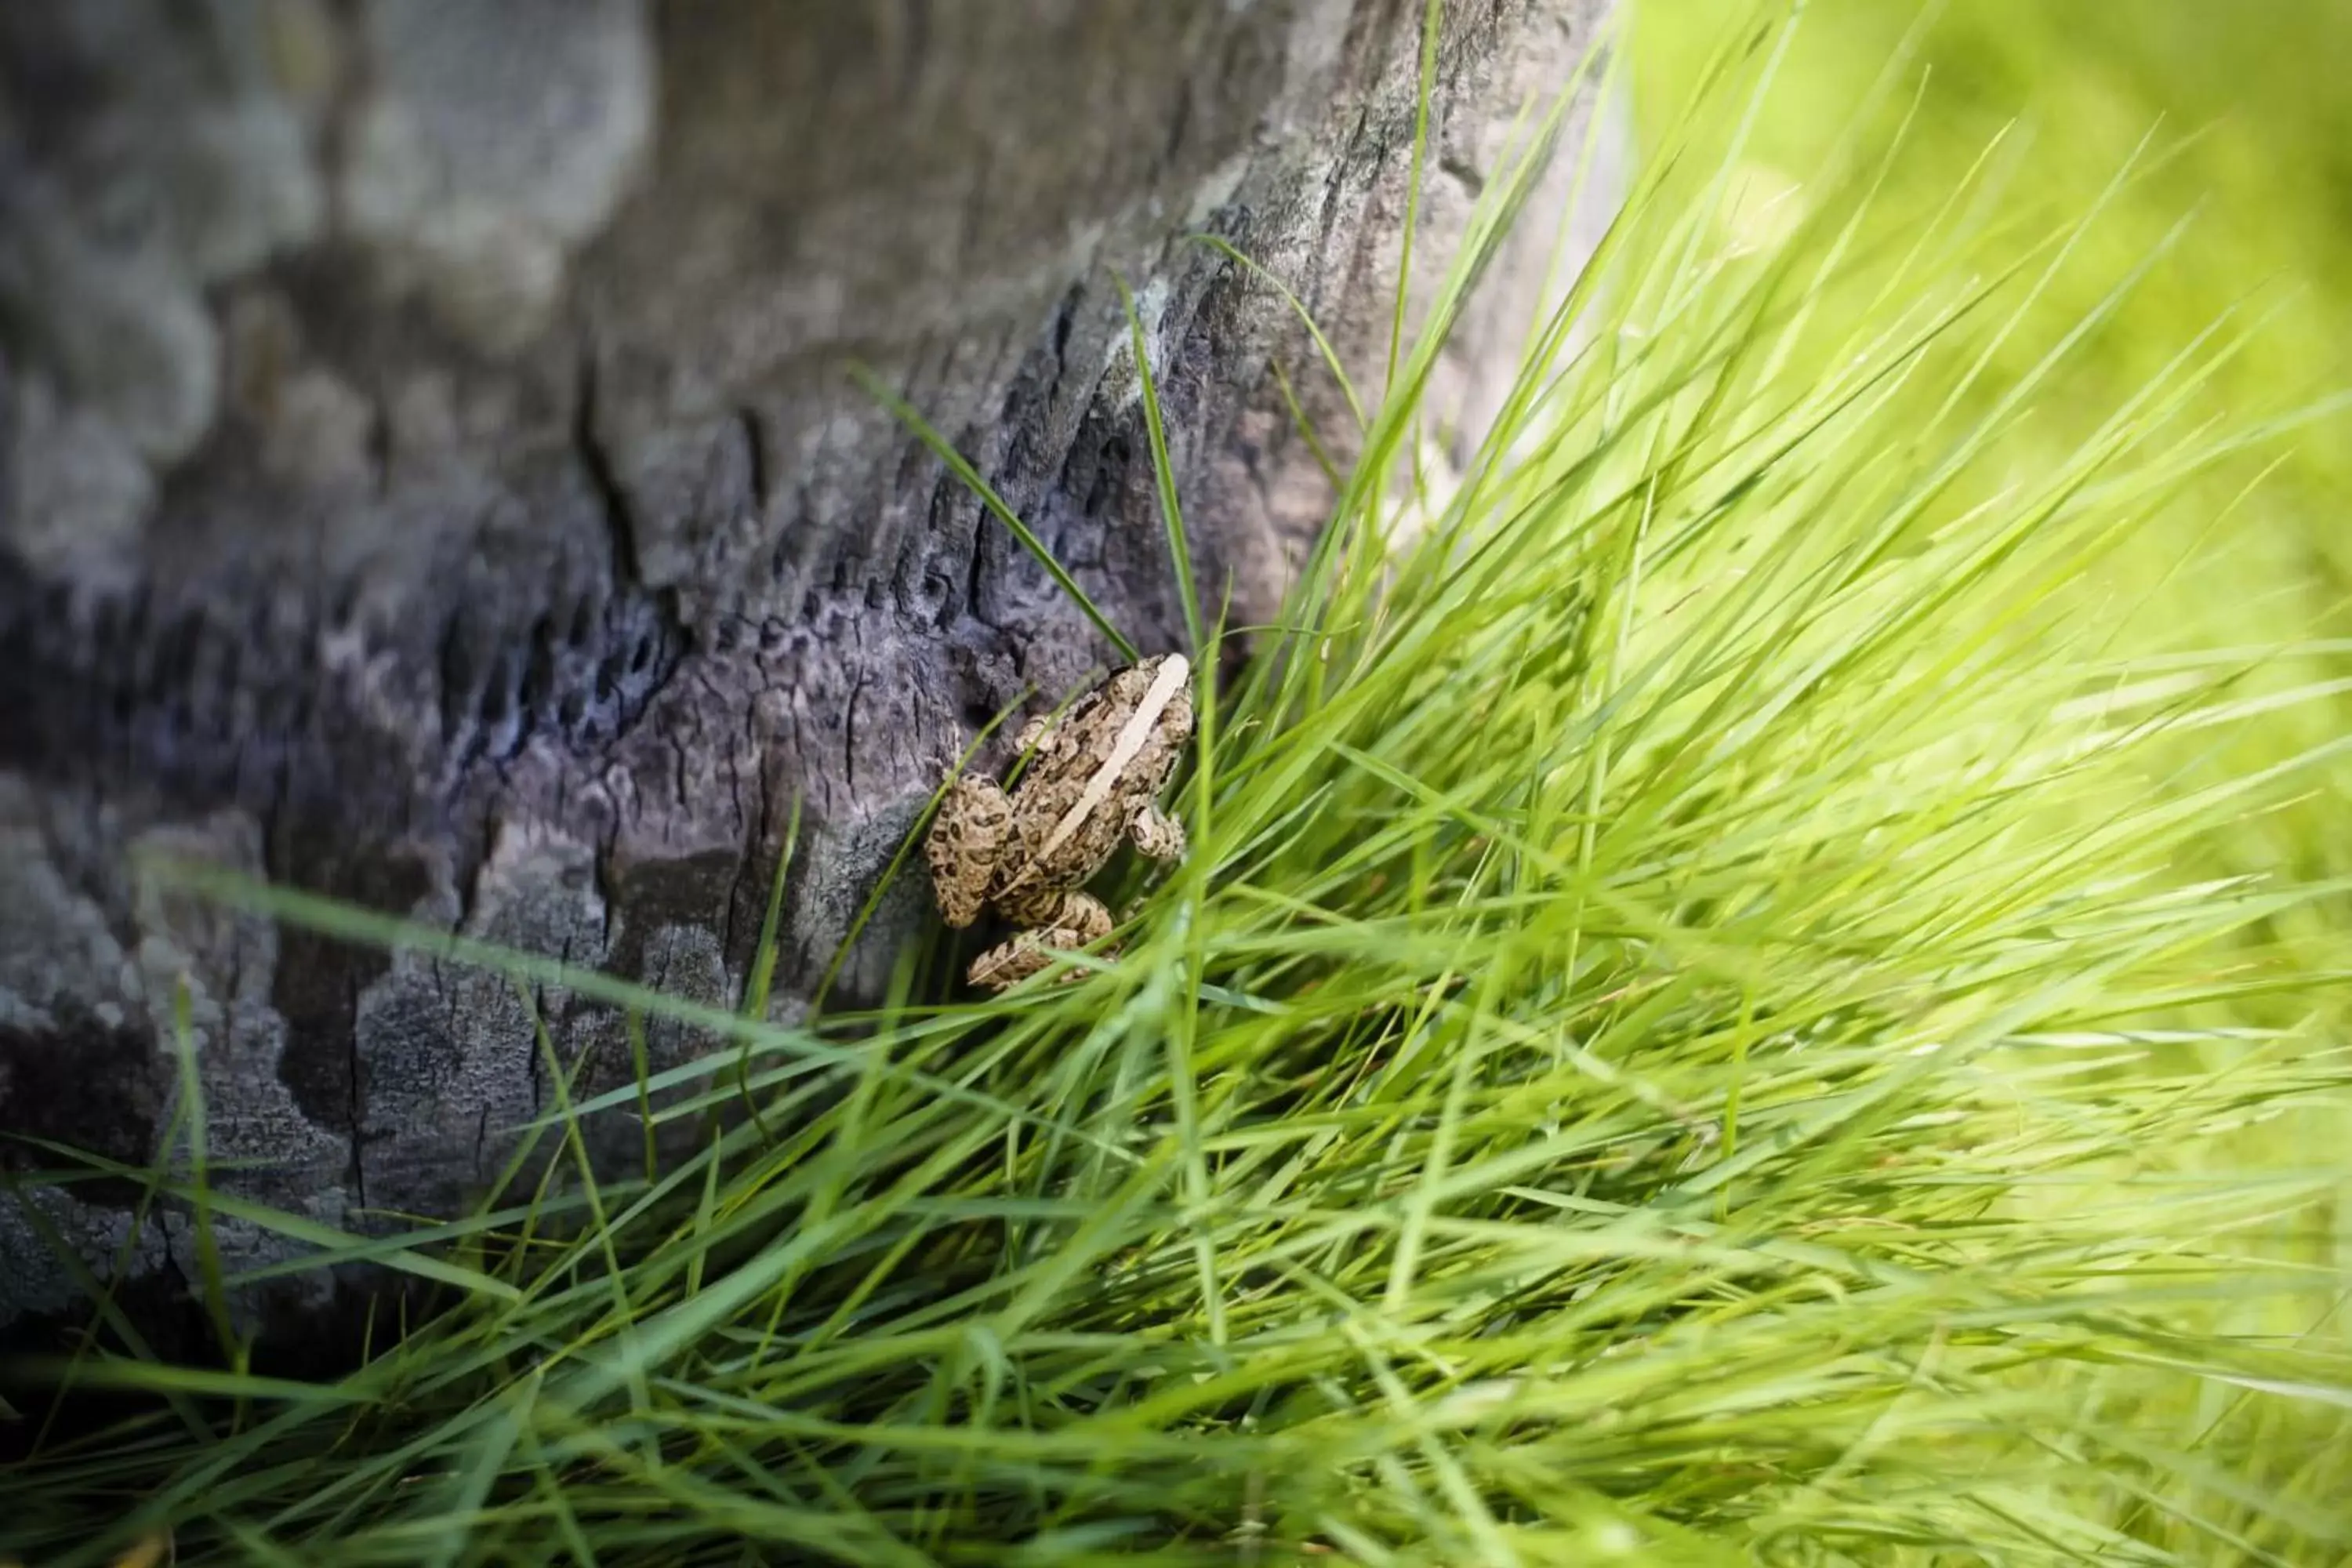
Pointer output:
x,y
2236,127
1700,1026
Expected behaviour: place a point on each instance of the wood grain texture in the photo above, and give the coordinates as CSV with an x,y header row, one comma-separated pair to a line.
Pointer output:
x,y
432,476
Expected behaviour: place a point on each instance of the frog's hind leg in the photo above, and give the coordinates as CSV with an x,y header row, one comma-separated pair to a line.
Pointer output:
x,y
965,841
1077,919
1083,919
1158,835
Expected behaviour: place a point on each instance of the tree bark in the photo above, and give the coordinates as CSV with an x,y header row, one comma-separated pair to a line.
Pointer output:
x,y
432,479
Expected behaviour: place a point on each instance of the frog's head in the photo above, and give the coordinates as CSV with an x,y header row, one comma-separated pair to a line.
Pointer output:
x,y
1174,667
1152,684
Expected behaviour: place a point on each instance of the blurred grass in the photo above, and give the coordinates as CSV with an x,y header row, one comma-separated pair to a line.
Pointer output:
x,y
2236,125
2248,109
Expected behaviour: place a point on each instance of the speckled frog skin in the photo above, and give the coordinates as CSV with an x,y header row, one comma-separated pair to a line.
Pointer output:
x,y
1094,778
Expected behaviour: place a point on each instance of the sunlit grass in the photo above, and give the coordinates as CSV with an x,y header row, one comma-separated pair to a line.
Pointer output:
x,y
1701,1026
2241,135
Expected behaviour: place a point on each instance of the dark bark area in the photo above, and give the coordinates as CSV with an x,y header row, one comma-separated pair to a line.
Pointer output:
x,y
432,478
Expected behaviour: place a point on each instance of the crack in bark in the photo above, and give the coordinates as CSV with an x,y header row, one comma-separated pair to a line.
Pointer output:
x,y
1468,178
619,520
757,450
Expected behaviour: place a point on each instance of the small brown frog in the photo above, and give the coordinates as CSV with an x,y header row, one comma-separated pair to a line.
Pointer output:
x,y
1094,778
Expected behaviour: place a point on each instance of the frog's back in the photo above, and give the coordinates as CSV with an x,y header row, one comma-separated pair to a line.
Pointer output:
x,y
1090,761
1051,855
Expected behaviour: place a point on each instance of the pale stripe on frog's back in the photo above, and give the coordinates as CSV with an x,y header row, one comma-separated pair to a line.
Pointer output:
x,y
1174,672
1132,736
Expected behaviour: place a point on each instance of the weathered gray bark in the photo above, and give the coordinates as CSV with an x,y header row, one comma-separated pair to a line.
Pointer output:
x,y
432,478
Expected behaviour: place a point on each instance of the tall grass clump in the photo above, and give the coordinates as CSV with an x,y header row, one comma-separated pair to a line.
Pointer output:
x,y
1683,1036
2233,123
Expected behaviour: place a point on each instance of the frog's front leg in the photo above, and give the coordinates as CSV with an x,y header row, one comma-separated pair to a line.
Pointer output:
x,y
1158,835
1026,739
967,838
1076,919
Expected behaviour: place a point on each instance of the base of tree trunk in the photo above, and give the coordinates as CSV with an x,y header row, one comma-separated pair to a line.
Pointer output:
x,y
433,478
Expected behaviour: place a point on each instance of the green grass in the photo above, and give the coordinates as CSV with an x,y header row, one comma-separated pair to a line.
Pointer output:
x,y
2240,133
1731,1002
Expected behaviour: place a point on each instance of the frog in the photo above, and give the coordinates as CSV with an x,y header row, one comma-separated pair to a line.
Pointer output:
x,y
1093,781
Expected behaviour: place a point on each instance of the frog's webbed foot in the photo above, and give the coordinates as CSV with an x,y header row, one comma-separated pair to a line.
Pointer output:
x,y
972,824
1080,919
1158,835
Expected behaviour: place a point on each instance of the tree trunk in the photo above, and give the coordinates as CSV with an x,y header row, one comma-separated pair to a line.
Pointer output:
x,y
432,479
